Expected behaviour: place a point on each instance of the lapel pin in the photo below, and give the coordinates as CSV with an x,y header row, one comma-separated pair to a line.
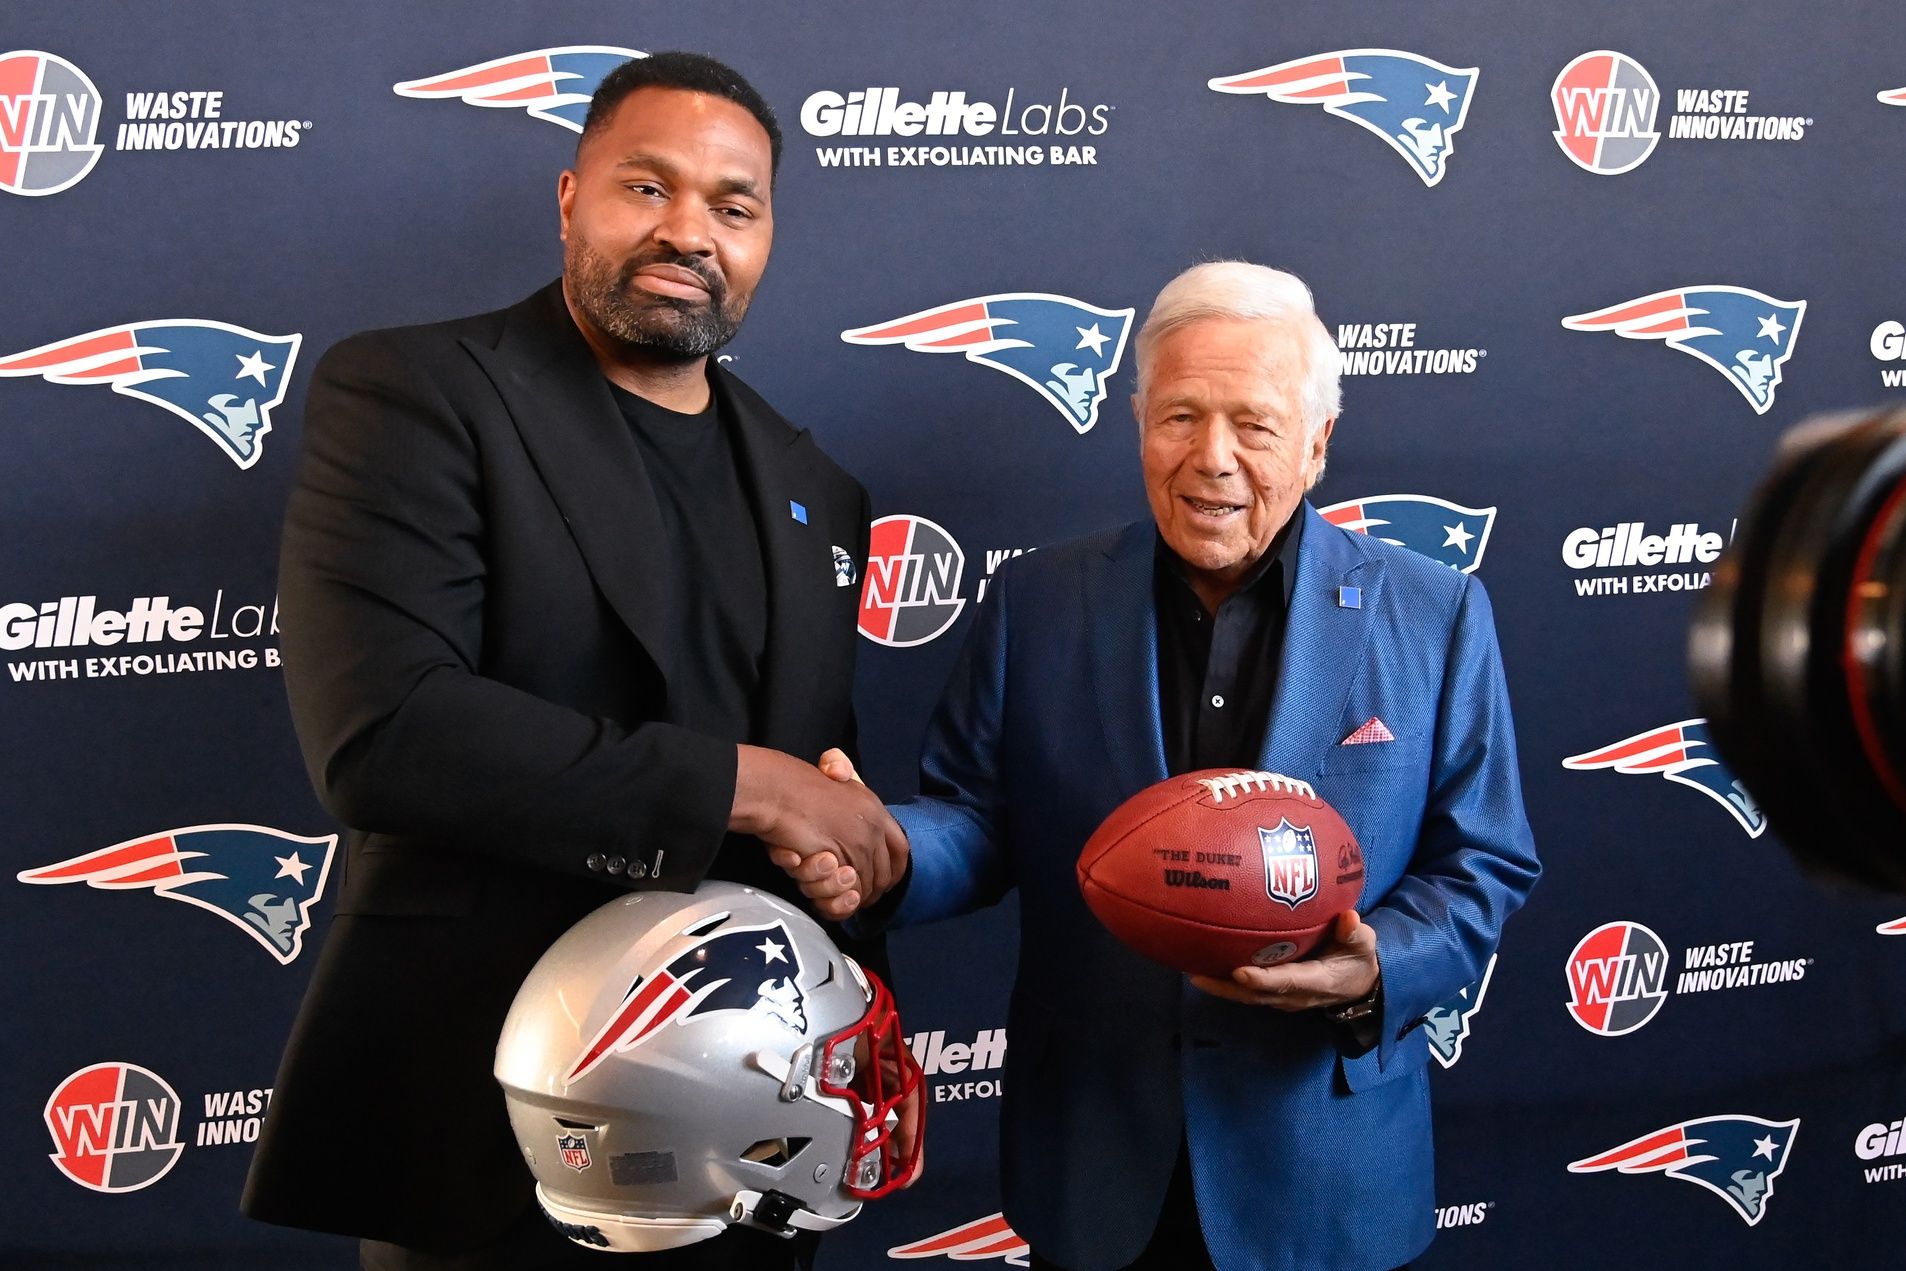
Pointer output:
x,y
1349,597
797,511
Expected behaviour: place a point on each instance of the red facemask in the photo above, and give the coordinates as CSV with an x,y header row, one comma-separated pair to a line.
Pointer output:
x,y
870,1066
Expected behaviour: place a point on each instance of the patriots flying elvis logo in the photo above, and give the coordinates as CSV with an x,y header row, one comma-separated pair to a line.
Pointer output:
x,y
743,969
1743,334
262,881
1684,754
1415,104
1735,1157
980,1240
1063,349
551,84
1447,1023
1441,530
222,379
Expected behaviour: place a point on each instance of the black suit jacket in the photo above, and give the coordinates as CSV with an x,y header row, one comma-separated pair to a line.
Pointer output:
x,y
477,621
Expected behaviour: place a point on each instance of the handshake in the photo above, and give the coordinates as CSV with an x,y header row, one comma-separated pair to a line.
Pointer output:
x,y
828,831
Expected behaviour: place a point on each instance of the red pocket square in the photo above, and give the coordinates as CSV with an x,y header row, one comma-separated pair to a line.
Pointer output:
x,y
1373,730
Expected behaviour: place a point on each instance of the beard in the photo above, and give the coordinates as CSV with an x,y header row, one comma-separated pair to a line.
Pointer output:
x,y
669,327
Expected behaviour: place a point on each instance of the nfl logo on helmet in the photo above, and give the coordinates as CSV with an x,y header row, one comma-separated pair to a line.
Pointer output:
x,y
1735,1157
222,379
1441,530
573,1151
1681,753
1063,349
551,84
1745,335
1416,105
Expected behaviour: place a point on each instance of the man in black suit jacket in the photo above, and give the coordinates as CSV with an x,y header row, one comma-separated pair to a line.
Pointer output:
x,y
561,600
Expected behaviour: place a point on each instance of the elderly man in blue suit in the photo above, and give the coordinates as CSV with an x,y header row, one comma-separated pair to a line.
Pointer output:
x,y
1279,1120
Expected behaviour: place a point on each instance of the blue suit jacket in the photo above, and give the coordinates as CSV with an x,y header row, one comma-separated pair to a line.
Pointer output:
x,y
1302,1157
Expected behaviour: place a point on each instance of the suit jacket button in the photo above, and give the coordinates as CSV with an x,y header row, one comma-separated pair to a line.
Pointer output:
x,y
616,864
594,861
638,869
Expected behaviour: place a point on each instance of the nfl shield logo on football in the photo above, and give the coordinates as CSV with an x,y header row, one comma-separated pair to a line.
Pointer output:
x,y
1290,862
574,1150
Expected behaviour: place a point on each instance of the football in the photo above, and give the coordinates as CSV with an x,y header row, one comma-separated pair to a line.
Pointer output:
x,y
1220,869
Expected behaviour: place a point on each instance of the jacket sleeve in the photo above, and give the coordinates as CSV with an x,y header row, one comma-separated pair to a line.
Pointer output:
x,y
953,827
1475,856
382,587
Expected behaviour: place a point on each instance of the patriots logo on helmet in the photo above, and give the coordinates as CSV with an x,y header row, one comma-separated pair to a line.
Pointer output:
x,y
262,881
744,969
551,84
983,1238
1743,334
1447,1023
1415,104
222,379
1061,348
1441,530
1683,754
1735,1157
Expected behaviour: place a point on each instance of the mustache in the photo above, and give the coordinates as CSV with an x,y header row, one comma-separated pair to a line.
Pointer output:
x,y
711,278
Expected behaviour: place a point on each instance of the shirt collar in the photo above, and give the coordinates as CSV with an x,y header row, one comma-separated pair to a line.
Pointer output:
x,y
1282,552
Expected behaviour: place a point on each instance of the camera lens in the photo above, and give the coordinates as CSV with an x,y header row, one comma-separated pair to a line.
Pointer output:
x,y
1798,649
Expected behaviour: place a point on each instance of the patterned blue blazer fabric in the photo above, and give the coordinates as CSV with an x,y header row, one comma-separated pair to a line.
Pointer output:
x,y
1050,721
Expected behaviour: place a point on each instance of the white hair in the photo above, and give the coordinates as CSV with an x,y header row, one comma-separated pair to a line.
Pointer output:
x,y
1238,289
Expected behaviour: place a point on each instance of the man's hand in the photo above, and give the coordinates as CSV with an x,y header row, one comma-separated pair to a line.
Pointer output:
x,y
829,890
832,836
1343,970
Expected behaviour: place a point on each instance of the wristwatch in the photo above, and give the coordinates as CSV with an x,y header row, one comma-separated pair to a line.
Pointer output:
x,y
1365,1005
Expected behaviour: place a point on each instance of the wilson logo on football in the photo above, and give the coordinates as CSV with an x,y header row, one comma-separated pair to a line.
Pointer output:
x,y
912,589
1617,978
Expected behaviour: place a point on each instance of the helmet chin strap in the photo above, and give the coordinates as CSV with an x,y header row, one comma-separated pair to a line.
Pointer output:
x,y
781,1214
771,1211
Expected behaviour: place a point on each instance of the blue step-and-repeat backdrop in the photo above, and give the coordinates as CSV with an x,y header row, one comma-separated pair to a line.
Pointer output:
x,y
1585,261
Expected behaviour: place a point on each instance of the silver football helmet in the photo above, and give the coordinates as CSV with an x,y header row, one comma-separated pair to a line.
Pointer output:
x,y
677,1063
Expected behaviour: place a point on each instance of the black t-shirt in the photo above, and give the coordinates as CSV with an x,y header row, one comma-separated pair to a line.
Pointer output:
x,y
714,551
